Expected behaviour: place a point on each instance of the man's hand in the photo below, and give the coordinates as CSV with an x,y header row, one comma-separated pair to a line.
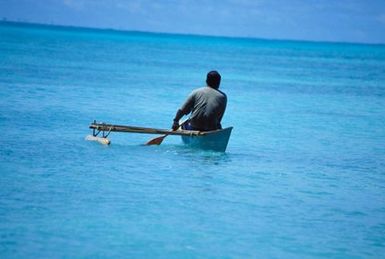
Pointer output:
x,y
175,125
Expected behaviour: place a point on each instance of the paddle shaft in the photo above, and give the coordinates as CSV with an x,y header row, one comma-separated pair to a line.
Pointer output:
x,y
159,140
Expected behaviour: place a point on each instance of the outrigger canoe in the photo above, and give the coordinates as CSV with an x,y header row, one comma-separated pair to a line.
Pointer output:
x,y
215,140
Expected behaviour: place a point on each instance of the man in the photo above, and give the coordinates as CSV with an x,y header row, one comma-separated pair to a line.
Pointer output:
x,y
206,105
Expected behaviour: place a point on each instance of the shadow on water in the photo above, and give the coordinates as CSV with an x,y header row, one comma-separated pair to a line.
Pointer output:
x,y
176,152
189,153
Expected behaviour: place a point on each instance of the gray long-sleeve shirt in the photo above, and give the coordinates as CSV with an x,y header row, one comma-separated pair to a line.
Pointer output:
x,y
207,106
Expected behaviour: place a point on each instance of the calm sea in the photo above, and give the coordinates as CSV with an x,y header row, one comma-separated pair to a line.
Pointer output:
x,y
303,175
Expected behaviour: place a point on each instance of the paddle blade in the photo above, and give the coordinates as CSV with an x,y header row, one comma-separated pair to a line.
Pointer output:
x,y
156,141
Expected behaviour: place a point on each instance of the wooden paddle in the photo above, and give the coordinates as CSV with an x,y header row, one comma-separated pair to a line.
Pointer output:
x,y
159,140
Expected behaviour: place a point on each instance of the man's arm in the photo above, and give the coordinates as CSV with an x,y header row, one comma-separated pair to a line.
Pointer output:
x,y
184,110
222,112
179,114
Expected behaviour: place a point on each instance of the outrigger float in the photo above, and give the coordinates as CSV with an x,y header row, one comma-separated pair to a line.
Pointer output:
x,y
215,140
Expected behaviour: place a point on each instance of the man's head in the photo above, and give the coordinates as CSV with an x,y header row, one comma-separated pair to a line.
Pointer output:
x,y
213,79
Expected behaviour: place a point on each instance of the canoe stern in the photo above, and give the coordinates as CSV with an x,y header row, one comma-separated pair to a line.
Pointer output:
x,y
215,140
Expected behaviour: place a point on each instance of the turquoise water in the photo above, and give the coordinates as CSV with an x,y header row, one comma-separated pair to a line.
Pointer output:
x,y
303,175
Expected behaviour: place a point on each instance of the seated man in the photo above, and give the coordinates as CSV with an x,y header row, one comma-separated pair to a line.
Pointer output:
x,y
206,105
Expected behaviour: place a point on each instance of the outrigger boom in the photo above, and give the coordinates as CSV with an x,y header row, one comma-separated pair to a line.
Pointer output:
x,y
106,129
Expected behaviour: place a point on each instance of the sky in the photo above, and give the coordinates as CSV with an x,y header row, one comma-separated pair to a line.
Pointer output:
x,y
361,21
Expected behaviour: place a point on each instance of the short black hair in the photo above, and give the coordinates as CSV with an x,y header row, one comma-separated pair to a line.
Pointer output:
x,y
213,79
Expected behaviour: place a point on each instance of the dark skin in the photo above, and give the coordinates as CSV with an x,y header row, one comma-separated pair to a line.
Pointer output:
x,y
179,114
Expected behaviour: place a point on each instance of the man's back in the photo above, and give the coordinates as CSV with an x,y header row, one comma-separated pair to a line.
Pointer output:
x,y
207,106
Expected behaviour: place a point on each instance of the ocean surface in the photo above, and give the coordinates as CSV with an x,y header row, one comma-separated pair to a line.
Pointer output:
x,y
303,175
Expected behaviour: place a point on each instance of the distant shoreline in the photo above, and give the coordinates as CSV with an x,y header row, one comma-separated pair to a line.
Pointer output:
x,y
123,31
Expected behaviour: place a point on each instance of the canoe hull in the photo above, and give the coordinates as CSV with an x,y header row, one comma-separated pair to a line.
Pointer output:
x,y
215,140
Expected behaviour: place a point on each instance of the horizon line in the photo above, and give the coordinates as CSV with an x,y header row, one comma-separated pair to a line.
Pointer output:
x,y
119,30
